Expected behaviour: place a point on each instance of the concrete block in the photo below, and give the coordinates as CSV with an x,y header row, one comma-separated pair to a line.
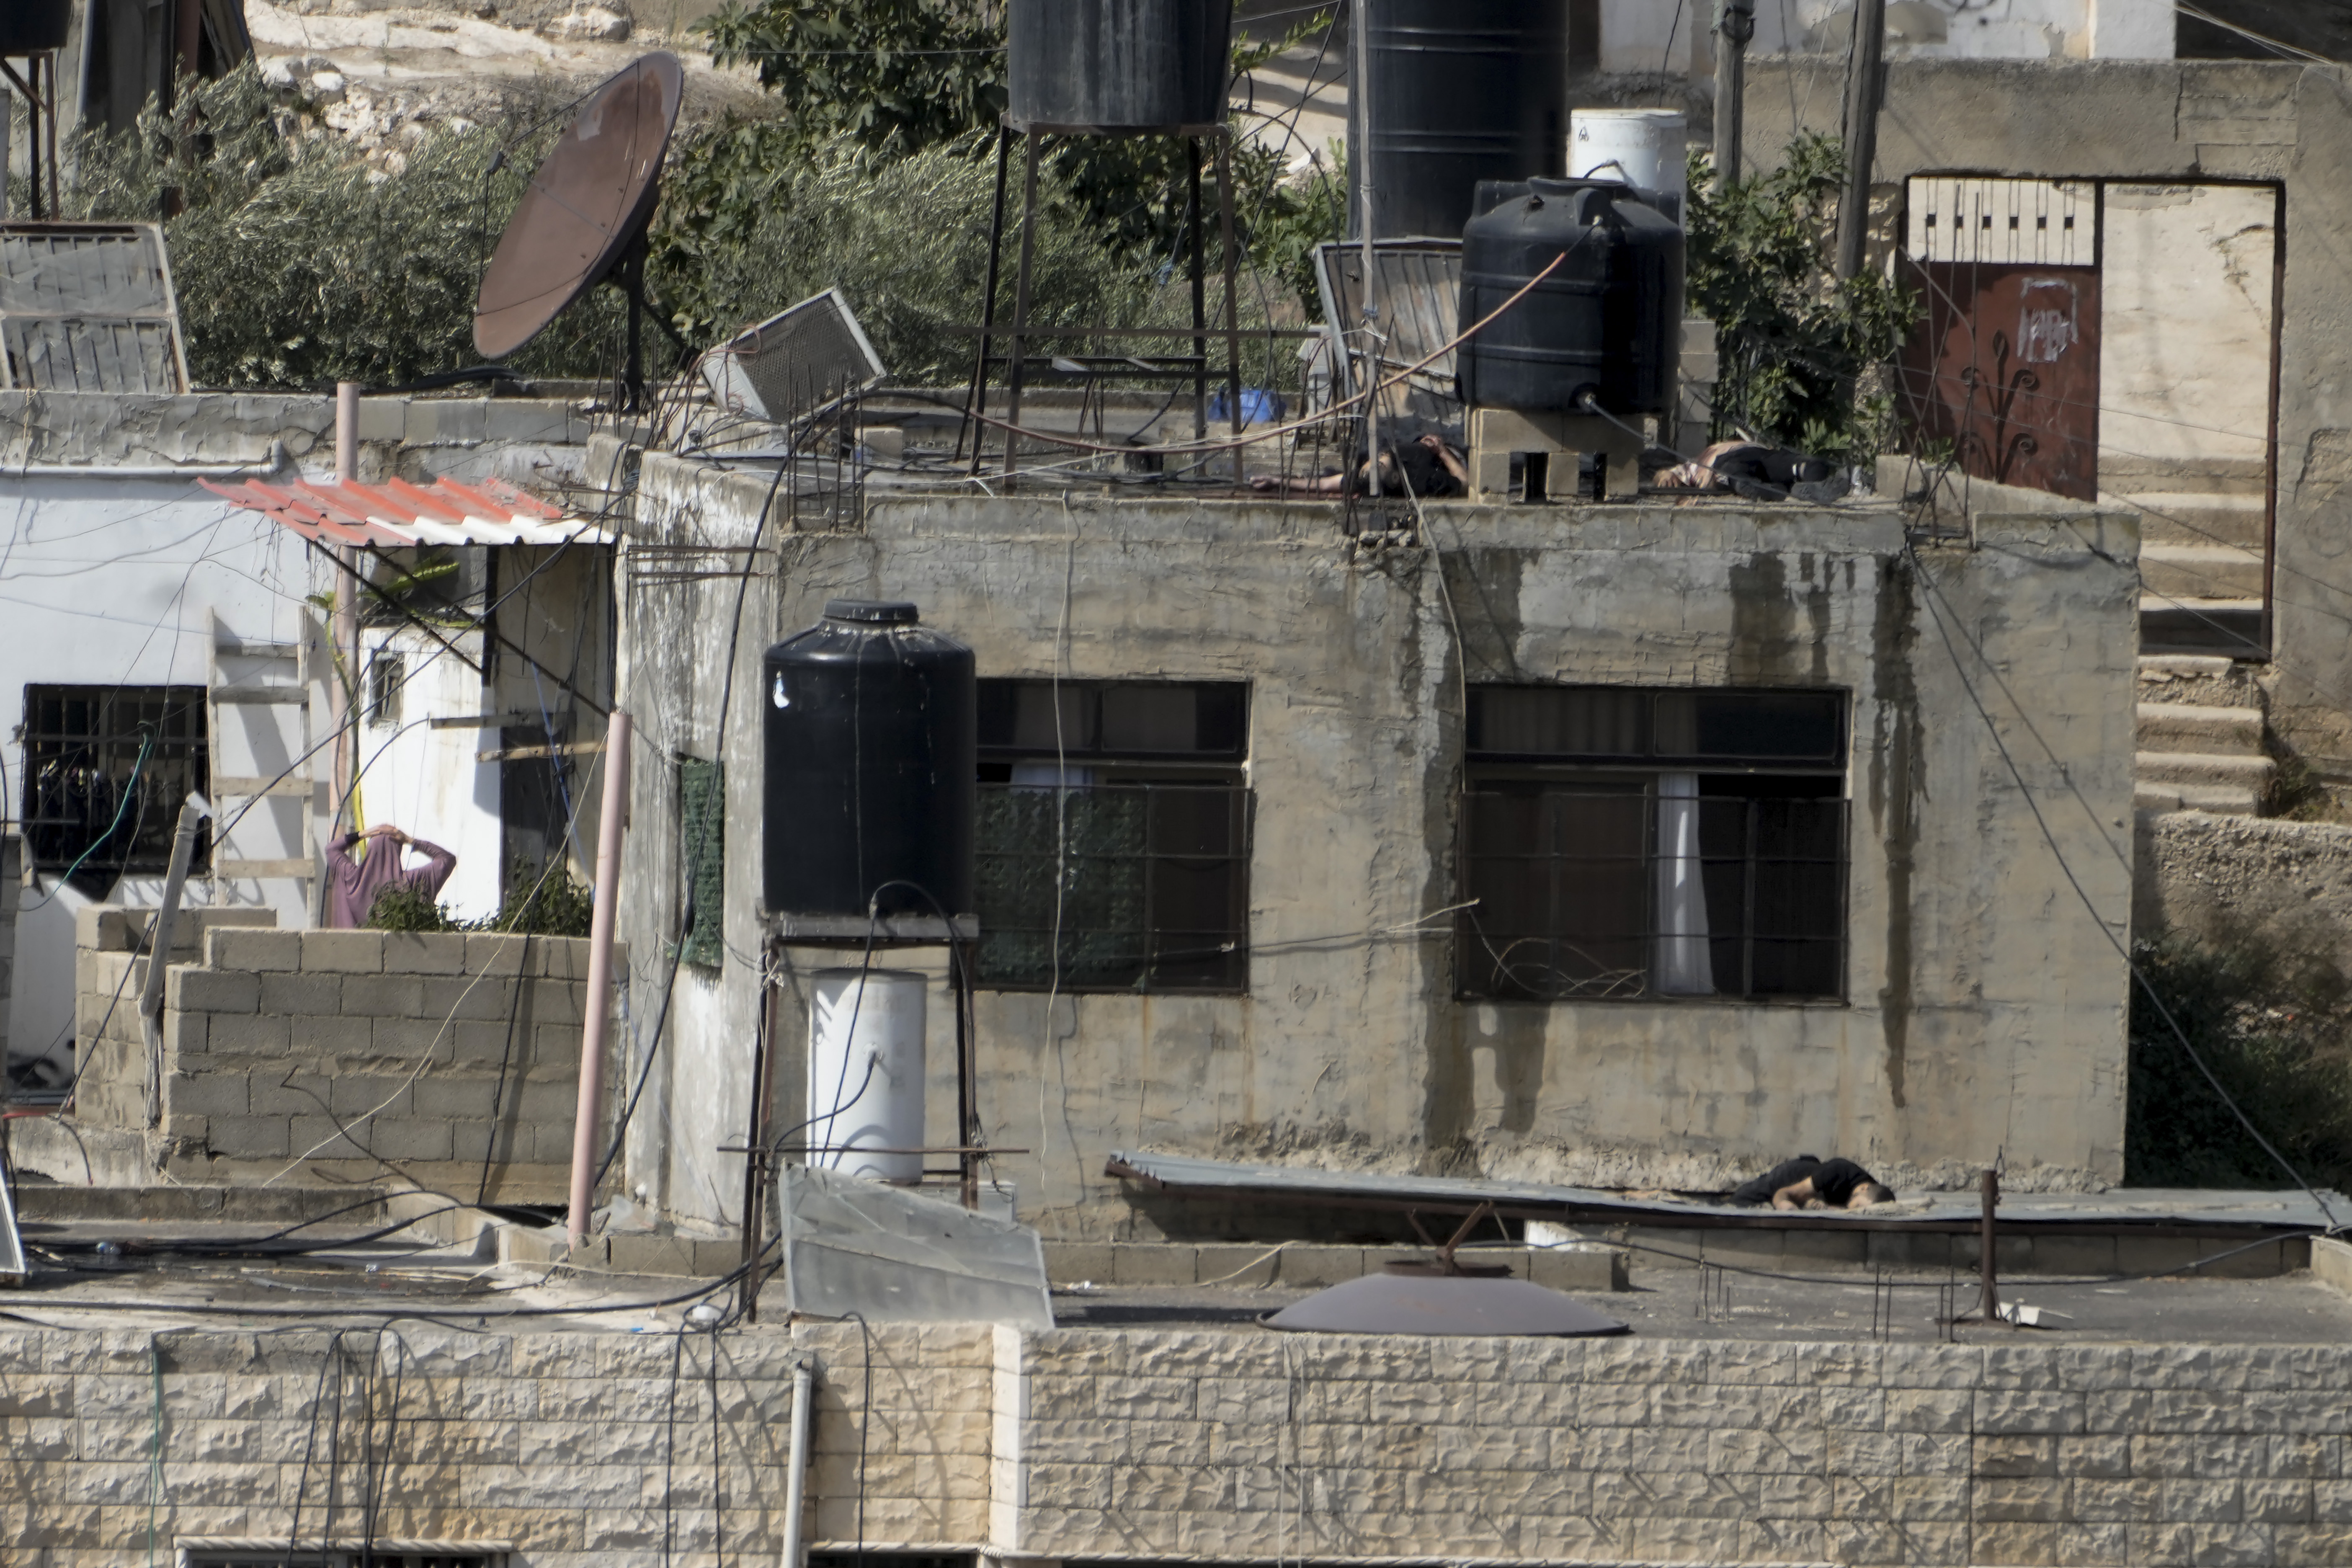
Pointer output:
x,y
206,1094
480,1042
343,951
384,996
319,1138
383,420
189,989
550,1043
425,953
496,955
248,1033
259,950
186,1033
1307,1266
288,1093
1082,1262
1152,1263
527,419
1580,1268
476,996
289,995
404,1138
351,1095
408,1039
446,422
249,1137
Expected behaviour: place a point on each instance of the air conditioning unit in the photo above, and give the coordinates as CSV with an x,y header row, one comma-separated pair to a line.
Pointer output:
x,y
791,364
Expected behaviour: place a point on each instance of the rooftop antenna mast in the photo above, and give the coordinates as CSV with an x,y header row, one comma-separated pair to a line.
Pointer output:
x,y
1362,90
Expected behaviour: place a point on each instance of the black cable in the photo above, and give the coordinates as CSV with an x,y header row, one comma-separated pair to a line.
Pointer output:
x,y
686,918
2122,949
669,1448
309,1446
717,1465
505,1055
865,1423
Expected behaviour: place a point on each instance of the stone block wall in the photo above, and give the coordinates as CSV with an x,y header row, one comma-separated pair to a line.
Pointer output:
x,y
1240,1446
347,1052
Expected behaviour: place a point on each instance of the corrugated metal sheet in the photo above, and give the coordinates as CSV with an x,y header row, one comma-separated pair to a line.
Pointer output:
x,y
88,307
1420,285
2163,1205
399,514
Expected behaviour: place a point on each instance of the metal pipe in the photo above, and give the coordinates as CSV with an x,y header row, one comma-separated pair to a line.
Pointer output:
x,y
193,811
1991,1190
1359,95
610,821
1865,86
118,471
347,431
1736,29
796,1470
345,632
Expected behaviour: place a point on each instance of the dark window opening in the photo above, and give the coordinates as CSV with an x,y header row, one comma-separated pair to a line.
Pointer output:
x,y
385,675
1604,876
388,1554
702,815
1114,854
106,768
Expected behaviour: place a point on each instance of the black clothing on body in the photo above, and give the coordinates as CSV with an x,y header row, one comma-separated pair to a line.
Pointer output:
x,y
1834,1183
1787,1173
1413,468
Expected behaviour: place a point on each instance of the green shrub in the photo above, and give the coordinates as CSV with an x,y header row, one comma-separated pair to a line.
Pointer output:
x,y
556,904
2272,1025
1799,351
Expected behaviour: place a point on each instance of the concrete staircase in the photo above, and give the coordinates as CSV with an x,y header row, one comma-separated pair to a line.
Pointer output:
x,y
2200,736
2203,552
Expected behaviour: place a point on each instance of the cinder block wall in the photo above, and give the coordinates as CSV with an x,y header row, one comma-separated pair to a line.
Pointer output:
x,y
347,1050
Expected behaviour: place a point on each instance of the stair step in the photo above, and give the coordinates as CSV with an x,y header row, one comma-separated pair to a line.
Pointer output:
x,y
2205,768
2201,571
2199,726
2233,627
2222,800
2224,521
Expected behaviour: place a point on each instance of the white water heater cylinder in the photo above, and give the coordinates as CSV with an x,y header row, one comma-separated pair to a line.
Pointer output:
x,y
1645,148
866,1074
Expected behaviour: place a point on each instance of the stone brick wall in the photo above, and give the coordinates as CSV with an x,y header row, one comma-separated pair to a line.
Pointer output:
x,y
1244,1447
354,1048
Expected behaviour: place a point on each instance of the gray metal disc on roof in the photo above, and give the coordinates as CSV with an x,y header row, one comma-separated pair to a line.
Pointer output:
x,y
1441,1304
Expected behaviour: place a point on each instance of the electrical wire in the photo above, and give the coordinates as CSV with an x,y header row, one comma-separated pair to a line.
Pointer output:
x,y
2122,949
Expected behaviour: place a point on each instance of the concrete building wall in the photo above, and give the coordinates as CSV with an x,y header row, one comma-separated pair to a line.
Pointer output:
x,y
1983,1009
620,1449
2171,122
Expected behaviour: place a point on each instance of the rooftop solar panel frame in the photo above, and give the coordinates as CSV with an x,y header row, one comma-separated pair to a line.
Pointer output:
x,y
89,307
794,362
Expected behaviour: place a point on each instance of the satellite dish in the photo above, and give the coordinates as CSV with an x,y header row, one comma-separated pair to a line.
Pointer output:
x,y
586,211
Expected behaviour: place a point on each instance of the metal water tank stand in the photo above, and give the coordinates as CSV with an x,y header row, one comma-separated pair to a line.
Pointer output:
x,y
39,83
762,1150
1219,138
1497,434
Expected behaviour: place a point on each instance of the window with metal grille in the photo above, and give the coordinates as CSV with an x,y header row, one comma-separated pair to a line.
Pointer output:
x,y
1113,837
387,671
106,768
1624,844
702,817
891,1560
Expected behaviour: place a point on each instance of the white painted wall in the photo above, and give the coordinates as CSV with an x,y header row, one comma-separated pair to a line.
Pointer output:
x,y
2185,352
426,781
114,581
1952,29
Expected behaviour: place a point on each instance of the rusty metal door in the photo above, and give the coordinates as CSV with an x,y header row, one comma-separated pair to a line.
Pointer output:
x,y
2004,364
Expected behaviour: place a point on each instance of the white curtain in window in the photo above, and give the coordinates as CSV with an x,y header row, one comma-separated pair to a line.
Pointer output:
x,y
1681,966
1052,775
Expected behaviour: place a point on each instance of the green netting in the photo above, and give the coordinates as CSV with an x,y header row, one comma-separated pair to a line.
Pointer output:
x,y
702,815
1099,840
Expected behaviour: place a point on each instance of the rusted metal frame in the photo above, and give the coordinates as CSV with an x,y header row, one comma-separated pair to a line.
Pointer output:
x,y
2271,445
1198,252
1987,1238
977,404
1581,1213
961,958
1021,301
755,1160
1224,147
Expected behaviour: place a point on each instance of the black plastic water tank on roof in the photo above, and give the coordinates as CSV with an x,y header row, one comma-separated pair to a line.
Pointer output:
x,y
1605,320
31,27
1118,65
872,752
1462,90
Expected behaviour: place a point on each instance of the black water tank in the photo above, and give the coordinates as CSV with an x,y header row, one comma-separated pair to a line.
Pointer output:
x,y
1118,65
30,27
1462,90
872,756
1605,321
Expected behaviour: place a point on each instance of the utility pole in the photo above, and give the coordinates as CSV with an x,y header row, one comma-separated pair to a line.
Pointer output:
x,y
1359,95
1736,27
1866,85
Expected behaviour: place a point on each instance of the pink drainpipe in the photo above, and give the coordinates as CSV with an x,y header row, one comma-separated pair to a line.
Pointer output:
x,y
610,822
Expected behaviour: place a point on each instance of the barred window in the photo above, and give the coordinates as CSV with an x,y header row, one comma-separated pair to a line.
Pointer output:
x,y
1629,844
702,817
383,1554
106,768
1113,832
